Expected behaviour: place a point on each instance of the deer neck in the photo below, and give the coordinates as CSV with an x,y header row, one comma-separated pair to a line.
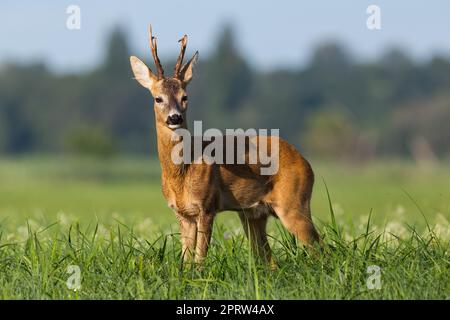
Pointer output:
x,y
170,170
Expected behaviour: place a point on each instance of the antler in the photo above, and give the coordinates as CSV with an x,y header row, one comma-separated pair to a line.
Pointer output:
x,y
177,69
154,48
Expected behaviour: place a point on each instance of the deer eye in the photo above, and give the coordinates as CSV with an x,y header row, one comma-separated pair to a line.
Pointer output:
x,y
184,98
158,100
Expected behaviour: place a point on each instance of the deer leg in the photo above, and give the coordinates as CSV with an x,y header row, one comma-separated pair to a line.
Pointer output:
x,y
204,231
299,223
188,230
255,230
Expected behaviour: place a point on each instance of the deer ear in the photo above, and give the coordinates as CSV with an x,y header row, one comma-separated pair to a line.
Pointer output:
x,y
187,71
142,73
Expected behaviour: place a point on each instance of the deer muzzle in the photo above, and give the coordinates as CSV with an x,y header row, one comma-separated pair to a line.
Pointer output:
x,y
174,120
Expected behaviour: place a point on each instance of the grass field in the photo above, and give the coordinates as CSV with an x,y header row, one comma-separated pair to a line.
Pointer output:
x,y
109,218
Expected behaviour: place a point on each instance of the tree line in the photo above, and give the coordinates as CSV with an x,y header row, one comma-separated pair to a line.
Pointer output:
x,y
335,106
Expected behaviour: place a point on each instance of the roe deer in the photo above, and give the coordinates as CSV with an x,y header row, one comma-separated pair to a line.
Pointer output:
x,y
198,191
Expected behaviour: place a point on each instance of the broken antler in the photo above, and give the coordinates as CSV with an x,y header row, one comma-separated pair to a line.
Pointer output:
x,y
177,70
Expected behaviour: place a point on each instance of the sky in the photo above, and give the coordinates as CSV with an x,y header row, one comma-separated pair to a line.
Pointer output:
x,y
270,34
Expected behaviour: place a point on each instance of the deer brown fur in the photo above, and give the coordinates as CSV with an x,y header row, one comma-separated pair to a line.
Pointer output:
x,y
198,192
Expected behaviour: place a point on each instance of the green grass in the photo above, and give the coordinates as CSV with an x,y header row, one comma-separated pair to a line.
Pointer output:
x,y
110,219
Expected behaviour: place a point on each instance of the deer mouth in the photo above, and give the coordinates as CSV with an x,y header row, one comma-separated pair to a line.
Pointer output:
x,y
174,126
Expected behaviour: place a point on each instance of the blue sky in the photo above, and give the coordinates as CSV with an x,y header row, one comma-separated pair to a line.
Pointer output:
x,y
269,33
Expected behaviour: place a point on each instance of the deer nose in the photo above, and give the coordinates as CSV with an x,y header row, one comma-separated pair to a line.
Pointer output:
x,y
174,119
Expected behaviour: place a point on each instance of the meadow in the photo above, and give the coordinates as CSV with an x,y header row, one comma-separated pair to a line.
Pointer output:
x,y
109,218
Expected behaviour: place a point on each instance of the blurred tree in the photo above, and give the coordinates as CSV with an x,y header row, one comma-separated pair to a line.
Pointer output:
x,y
437,74
420,129
322,83
113,100
330,57
90,141
331,133
228,79
116,62
18,85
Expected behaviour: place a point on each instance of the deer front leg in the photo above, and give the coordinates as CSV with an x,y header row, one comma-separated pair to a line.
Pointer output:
x,y
188,230
204,231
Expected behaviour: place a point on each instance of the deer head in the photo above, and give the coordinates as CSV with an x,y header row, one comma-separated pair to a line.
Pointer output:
x,y
169,93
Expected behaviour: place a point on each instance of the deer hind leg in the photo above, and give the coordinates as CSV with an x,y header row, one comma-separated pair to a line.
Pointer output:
x,y
254,223
188,230
298,221
204,231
